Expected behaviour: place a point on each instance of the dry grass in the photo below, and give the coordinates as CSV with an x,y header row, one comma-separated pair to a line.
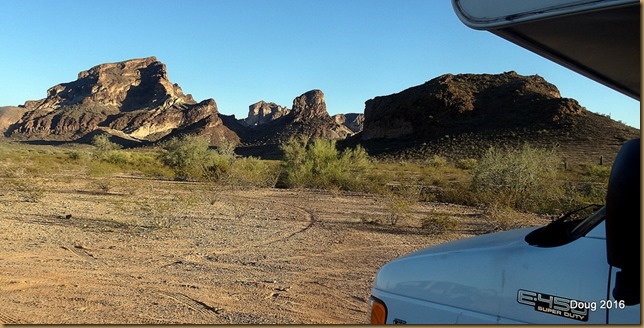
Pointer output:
x,y
129,247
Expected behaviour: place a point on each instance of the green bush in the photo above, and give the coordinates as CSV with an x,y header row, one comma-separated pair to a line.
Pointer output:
x,y
524,179
102,143
252,172
75,155
436,161
191,159
117,157
467,163
319,164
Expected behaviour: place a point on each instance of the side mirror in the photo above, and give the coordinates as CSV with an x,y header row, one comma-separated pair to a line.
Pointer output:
x,y
623,222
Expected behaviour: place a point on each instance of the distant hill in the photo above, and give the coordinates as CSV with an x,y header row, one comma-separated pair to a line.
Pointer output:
x,y
133,97
460,116
134,101
456,116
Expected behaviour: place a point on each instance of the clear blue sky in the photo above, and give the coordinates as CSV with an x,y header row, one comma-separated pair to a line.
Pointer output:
x,y
242,51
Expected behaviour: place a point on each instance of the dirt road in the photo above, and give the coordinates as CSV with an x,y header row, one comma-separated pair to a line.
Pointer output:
x,y
129,250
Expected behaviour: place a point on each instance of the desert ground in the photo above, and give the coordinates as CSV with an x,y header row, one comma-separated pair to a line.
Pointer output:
x,y
134,250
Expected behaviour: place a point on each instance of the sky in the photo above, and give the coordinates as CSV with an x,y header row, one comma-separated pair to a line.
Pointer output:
x,y
239,52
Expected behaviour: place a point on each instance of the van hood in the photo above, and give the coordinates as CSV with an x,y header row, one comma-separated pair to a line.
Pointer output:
x,y
492,240
468,273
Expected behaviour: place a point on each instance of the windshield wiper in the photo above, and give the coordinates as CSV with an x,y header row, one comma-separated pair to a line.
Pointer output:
x,y
558,232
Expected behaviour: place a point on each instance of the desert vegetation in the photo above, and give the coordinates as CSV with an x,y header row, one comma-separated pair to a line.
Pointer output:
x,y
198,234
516,180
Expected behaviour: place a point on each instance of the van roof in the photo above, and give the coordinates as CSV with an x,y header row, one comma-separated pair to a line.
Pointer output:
x,y
598,39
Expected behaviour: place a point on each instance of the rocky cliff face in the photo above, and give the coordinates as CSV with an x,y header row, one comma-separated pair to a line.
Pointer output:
x,y
312,119
262,112
461,116
353,121
9,115
308,117
128,85
309,106
134,97
468,102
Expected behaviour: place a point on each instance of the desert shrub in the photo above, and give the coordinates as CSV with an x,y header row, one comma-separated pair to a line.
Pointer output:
x,y
467,163
161,213
75,155
400,203
501,218
439,223
522,178
103,185
585,187
226,149
597,173
319,164
146,162
436,161
365,219
18,182
102,143
117,157
218,168
191,159
252,172
595,183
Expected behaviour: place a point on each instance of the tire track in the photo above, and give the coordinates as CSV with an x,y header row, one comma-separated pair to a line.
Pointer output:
x,y
308,217
196,305
6,319
81,252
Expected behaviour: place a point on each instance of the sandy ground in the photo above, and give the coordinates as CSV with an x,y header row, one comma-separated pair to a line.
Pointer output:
x,y
138,251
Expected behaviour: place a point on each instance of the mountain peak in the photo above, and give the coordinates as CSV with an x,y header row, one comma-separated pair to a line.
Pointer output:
x,y
127,85
134,97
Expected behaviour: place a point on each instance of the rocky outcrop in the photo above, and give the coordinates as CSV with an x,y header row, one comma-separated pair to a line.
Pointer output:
x,y
308,117
128,85
311,116
462,116
353,121
309,106
262,112
134,97
9,115
468,103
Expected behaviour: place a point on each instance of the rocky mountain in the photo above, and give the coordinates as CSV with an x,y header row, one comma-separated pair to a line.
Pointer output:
x,y
308,117
9,115
133,97
462,115
353,121
262,112
456,116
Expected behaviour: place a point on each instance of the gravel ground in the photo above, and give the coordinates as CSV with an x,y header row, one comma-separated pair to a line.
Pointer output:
x,y
128,250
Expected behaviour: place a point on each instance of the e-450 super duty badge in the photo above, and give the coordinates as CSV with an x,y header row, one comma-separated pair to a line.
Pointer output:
x,y
551,304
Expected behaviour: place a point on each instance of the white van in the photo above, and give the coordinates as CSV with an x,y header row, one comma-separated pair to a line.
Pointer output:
x,y
584,271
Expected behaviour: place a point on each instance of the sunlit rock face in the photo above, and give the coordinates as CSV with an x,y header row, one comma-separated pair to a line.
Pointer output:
x,y
134,97
262,112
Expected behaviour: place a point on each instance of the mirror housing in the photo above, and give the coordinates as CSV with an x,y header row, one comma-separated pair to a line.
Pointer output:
x,y
623,222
